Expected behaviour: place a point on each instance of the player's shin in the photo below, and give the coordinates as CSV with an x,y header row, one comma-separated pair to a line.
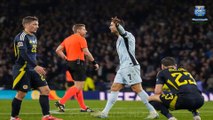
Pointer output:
x,y
16,105
162,108
144,98
44,102
80,99
110,102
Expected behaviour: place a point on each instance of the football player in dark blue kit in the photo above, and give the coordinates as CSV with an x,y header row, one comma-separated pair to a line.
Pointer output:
x,y
184,92
27,73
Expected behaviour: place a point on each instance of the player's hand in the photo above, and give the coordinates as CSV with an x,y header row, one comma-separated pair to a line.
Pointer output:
x,y
65,58
116,20
40,70
96,66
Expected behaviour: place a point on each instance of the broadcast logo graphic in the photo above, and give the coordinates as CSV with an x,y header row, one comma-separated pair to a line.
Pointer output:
x,y
199,14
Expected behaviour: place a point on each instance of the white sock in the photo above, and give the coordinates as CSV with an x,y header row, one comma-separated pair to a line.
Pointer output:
x,y
144,98
110,102
12,118
46,115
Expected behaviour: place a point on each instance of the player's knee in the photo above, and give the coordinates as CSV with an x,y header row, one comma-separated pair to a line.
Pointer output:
x,y
45,91
114,88
79,87
20,95
136,89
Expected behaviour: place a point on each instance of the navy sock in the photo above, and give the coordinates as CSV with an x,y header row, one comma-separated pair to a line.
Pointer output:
x,y
164,110
195,112
45,106
16,106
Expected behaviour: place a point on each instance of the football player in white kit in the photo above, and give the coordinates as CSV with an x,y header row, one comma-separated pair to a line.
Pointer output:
x,y
129,71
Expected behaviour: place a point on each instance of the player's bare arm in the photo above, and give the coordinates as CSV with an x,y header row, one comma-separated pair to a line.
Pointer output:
x,y
60,52
90,57
158,92
40,70
158,89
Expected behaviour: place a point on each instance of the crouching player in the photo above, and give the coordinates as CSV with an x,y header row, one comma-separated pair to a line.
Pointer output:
x,y
184,92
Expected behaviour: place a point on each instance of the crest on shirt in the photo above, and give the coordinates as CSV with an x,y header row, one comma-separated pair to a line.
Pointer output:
x,y
32,41
19,44
25,87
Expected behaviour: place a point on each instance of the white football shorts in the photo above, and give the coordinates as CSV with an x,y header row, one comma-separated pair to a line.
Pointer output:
x,y
128,75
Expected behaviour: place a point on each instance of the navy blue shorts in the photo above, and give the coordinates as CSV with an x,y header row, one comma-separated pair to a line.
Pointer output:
x,y
190,101
25,79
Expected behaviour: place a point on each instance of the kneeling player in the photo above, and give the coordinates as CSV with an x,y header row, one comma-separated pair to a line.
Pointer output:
x,y
184,92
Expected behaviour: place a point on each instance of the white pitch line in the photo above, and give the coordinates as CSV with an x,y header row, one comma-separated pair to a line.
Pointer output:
x,y
112,113
76,111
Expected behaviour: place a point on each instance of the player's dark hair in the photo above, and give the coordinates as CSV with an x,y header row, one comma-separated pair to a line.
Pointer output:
x,y
76,27
168,61
29,19
122,23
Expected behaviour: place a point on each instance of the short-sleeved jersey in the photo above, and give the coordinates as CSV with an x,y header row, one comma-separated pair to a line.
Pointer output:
x,y
74,45
178,80
125,47
28,43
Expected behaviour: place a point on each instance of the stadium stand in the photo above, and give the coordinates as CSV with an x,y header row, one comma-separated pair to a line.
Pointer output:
x,y
161,27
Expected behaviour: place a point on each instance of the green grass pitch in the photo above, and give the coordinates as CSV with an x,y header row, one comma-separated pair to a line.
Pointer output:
x,y
122,110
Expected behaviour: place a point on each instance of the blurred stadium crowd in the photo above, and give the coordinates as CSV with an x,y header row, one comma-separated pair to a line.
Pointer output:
x,y
161,27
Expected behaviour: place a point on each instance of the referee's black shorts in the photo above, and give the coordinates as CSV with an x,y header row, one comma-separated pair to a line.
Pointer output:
x,y
77,69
